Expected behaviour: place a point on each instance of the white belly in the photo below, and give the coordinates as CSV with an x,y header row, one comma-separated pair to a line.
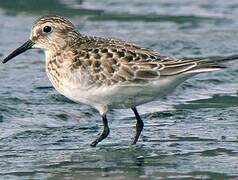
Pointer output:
x,y
123,96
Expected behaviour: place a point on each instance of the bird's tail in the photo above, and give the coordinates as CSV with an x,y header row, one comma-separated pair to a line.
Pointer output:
x,y
212,63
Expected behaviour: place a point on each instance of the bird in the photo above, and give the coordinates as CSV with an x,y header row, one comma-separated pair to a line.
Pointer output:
x,y
107,73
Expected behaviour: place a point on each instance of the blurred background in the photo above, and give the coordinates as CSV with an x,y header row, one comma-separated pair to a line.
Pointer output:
x,y
189,135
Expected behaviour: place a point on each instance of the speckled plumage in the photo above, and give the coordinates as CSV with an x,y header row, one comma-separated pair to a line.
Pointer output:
x,y
106,73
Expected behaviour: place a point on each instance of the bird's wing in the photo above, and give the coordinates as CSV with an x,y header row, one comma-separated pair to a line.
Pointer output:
x,y
121,63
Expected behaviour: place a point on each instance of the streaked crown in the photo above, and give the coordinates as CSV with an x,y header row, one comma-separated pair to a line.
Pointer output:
x,y
52,31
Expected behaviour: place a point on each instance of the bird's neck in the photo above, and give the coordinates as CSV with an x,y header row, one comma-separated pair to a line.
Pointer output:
x,y
57,67
59,54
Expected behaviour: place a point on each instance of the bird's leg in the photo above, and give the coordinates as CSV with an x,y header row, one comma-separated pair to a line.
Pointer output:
x,y
139,125
104,133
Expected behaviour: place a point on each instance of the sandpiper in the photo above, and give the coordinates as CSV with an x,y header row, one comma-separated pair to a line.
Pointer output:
x,y
106,73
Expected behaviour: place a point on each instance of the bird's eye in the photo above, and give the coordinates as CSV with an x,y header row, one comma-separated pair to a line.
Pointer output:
x,y
47,29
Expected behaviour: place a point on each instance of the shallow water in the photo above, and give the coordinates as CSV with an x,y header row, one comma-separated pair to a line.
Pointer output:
x,y
190,135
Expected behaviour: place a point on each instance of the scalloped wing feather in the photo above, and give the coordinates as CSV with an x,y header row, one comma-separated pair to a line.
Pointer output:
x,y
109,62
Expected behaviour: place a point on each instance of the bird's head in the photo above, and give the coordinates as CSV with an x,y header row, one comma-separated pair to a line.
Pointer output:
x,y
48,33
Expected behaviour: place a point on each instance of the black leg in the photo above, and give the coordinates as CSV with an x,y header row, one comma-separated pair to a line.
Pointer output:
x,y
139,125
104,133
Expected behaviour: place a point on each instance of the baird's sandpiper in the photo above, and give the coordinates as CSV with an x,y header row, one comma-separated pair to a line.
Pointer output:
x,y
106,73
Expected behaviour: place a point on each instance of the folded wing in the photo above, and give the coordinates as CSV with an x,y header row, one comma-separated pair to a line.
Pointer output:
x,y
117,62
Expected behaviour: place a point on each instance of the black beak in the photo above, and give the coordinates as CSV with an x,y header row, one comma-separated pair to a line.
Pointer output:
x,y
27,45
